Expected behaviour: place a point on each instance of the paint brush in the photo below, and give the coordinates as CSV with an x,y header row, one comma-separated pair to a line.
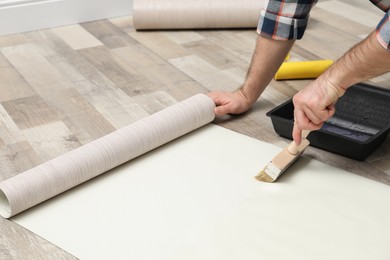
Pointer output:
x,y
283,160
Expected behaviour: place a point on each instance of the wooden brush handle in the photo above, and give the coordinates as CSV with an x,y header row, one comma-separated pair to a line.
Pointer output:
x,y
293,148
305,133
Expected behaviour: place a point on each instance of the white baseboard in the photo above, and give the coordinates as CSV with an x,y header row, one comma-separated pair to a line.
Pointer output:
x,y
27,15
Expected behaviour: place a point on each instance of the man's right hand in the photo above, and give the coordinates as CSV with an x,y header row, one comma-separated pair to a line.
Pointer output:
x,y
229,102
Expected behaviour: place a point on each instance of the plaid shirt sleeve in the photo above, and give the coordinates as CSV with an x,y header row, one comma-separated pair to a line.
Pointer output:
x,y
284,19
383,28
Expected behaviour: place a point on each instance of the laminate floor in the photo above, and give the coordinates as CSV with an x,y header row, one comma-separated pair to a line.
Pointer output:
x,y
61,88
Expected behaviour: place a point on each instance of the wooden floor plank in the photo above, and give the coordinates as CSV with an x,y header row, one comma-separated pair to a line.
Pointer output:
x,y
238,43
320,41
108,34
34,68
183,37
154,102
12,84
124,23
159,43
16,158
30,112
9,131
85,118
205,73
13,40
113,104
122,74
50,140
215,54
77,37
325,16
350,11
152,73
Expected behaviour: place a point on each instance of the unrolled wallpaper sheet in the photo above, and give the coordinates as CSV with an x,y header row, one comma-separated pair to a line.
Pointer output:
x,y
196,198
178,14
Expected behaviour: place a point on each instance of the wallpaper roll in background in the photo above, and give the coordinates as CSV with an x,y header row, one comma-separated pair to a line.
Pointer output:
x,y
53,177
179,14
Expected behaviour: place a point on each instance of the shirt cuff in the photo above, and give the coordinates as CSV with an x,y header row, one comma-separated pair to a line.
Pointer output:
x,y
281,27
383,31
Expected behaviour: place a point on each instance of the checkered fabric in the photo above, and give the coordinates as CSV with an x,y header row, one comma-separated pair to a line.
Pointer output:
x,y
284,20
287,19
382,4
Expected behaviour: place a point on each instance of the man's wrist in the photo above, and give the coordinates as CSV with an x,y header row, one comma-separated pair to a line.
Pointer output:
x,y
248,94
333,89
247,102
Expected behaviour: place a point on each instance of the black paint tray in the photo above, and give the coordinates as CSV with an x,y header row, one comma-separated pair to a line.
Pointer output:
x,y
359,126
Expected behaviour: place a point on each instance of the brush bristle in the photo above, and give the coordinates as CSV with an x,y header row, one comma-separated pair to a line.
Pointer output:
x,y
281,162
263,176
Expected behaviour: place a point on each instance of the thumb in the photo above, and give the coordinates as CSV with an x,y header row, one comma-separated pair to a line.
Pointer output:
x,y
221,110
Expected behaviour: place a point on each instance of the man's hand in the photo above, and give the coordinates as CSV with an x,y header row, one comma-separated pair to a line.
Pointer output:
x,y
314,105
229,102
267,58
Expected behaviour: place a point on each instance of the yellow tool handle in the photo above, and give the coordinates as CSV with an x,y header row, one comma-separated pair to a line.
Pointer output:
x,y
302,69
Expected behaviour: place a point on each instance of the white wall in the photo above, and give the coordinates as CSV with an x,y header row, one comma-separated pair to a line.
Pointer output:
x,y
27,15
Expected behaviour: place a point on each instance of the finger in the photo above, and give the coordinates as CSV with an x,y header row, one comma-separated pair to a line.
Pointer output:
x,y
331,110
316,111
217,97
297,134
304,122
222,110
324,114
312,116
211,95
315,114
301,119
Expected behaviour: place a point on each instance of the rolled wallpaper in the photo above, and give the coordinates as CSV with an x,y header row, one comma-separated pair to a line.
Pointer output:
x,y
178,14
53,177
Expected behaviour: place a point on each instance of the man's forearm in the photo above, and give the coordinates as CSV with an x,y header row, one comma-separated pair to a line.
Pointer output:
x,y
364,61
266,60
